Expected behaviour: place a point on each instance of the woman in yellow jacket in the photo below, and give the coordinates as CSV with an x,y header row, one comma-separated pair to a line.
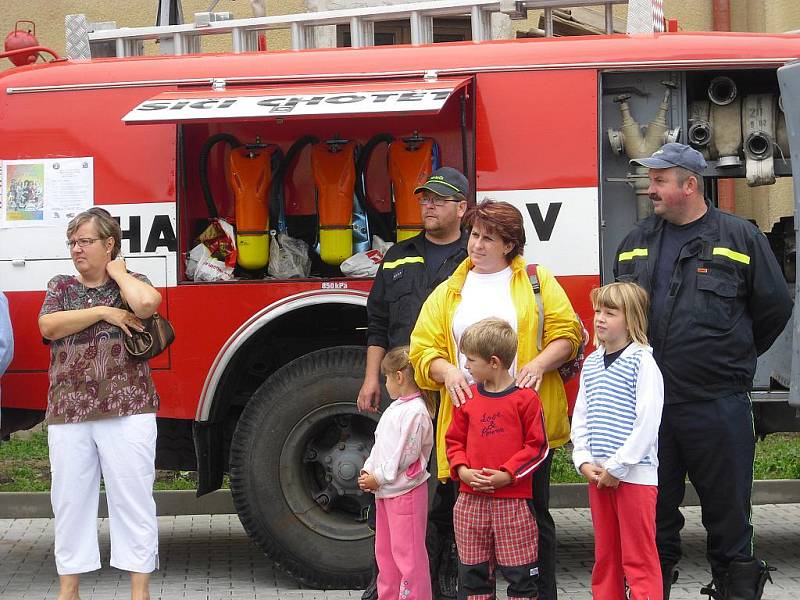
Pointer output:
x,y
493,282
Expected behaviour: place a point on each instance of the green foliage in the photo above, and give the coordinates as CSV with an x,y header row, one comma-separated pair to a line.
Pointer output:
x,y
563,471
33,447
778,457
24,478
176,480
24,465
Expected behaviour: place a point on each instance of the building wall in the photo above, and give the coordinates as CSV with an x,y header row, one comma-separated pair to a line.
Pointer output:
x,y
49,17
746,15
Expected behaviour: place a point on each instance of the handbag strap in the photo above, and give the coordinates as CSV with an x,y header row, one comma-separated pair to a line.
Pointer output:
x,y
537,294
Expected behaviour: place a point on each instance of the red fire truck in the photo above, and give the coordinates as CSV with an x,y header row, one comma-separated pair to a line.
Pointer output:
x,y
262,378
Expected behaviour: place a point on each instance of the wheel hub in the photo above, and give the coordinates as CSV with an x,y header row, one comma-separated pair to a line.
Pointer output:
x,y
320,463
341,463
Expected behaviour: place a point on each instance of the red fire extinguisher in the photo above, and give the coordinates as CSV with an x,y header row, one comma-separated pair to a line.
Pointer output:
x,y
20,39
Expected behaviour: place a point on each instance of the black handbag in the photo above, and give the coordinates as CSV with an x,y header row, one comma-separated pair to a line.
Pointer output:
x,y
158,334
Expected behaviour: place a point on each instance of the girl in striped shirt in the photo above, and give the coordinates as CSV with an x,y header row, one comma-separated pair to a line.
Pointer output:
x,y
615,438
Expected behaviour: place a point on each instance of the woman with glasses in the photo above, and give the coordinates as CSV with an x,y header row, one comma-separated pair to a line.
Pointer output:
x,y
101,408
493,282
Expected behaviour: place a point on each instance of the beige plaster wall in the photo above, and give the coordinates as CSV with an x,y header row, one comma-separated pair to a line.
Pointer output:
x,y
746,15
692,16
49,17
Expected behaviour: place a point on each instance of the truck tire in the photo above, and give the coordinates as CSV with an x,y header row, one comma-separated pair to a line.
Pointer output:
x,y
295,456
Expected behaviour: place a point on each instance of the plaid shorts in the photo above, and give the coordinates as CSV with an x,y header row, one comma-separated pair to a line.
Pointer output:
x,y
500,530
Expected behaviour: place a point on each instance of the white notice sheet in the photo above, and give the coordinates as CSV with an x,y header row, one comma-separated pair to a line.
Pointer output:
x,y
45,192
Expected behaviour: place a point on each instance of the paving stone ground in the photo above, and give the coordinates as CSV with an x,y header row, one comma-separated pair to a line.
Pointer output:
x,y
211,558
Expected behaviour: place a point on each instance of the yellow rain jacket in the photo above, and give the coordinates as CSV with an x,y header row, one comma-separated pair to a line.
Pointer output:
x,y
433,338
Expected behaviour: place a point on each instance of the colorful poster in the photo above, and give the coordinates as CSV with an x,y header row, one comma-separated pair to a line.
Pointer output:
x,y
24,192
47,192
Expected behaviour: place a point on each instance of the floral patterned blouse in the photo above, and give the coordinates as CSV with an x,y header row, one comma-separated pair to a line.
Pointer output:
x,y
91,375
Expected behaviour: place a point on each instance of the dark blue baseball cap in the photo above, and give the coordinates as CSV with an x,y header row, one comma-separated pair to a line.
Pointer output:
x,y
674,155
446,181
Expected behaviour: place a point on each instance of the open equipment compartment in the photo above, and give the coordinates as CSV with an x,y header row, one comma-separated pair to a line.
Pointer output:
x,y
294,122
734,117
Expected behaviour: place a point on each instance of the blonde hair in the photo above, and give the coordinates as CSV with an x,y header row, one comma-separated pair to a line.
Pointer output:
x,y
490,337
632,300
397,359
105,225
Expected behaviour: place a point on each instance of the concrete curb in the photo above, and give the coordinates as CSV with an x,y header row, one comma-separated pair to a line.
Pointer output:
x,y
36,505
771,491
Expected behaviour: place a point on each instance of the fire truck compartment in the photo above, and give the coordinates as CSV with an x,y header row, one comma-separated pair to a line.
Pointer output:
x,y
735,118
370,114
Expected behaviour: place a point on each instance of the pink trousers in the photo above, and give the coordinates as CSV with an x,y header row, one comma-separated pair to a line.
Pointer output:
x,y
624,520
403,571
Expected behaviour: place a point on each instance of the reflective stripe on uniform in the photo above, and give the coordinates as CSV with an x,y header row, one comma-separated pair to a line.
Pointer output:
x,y
732,254
631,254
403,261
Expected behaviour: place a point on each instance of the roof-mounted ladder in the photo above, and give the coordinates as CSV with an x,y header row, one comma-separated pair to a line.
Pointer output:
x,y
86,40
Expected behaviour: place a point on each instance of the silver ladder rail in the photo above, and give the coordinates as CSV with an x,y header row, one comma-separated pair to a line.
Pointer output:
x,y
244,33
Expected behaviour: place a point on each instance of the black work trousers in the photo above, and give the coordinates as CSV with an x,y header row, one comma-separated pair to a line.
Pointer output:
x,y
547,530
714,443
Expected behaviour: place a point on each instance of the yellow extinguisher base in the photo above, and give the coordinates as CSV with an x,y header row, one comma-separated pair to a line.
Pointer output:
x,y
253,251
335,245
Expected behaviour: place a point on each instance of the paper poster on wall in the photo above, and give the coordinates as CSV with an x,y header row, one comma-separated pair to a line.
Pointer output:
x,y
46,192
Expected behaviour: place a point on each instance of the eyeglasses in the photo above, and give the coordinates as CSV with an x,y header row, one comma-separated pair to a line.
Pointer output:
x,y
82,242
437,200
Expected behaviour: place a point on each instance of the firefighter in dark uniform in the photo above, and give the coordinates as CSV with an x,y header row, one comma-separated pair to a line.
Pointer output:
x,y
718,300
410,271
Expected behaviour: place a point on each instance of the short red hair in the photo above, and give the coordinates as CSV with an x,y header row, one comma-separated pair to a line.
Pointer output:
x,y
501,219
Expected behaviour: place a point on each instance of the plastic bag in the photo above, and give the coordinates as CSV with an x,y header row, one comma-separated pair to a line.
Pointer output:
x,y
365,264
211,269
288,257
214,256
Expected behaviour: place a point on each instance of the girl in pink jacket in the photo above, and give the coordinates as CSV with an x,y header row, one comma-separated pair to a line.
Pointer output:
x,y
396,472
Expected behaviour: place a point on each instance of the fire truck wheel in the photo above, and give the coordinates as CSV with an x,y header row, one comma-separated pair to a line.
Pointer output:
x,y
295,458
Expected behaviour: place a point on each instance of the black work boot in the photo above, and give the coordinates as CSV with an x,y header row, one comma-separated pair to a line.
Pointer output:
x,y
715,589
747,578
371,593
669,575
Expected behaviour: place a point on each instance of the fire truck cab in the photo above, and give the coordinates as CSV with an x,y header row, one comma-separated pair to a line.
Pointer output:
x,y
262,378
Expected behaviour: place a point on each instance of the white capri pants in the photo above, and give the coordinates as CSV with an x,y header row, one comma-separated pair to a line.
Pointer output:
x,y
123,450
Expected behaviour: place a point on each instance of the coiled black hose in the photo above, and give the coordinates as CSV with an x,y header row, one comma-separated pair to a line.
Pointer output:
x,y
378,223
205,152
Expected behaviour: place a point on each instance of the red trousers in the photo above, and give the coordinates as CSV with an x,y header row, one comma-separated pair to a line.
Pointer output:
x,y
624,520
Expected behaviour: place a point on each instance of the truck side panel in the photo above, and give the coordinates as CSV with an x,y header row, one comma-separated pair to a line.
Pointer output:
x,y
536,147
535,130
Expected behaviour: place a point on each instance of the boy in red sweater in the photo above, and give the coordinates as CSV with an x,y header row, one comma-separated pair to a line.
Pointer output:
x,y
494,443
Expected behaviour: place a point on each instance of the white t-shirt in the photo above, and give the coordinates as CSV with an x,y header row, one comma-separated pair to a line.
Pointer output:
x,y
484,295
